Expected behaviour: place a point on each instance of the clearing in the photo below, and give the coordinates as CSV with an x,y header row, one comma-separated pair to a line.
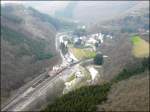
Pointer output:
x,y
140,47
82,53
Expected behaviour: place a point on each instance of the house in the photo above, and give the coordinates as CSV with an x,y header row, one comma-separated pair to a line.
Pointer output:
x,y
78,74
56,68
109,36
91,41
61,39
65,43
76,38
94,35
100,37
83,38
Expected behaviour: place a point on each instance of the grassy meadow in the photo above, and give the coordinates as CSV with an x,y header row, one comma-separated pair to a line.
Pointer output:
x,y
140,47
82,53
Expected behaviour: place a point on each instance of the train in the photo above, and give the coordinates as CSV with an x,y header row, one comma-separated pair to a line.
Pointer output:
x,y
54,72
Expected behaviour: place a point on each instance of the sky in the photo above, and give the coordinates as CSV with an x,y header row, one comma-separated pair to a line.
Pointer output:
x,y
43,6
50,6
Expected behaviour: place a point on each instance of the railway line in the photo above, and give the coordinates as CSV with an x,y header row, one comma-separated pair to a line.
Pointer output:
x,y
31,89
30,93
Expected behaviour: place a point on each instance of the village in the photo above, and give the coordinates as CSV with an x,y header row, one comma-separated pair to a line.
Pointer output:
x,y
70,40
89,43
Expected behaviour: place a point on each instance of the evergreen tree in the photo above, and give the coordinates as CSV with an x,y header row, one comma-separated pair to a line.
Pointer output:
x,y
98,60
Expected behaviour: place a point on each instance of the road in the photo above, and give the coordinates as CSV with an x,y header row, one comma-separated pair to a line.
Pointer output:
x,y
32,91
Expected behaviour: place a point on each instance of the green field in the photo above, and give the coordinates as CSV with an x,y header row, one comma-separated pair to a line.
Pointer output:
x,y
82,53
136,39
140,47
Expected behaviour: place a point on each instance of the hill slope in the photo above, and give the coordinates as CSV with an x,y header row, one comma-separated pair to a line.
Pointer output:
x,y
127,95
27,46
133,20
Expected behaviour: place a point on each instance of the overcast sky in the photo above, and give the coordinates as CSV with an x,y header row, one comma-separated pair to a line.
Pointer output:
x,y
44,6
50,6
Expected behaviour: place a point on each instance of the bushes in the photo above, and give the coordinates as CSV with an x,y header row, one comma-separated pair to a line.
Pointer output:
x,y
145,63
127,73
63,48
98,60
83,99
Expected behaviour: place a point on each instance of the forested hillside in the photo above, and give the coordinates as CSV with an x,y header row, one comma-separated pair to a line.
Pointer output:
x,y
27,46
133,20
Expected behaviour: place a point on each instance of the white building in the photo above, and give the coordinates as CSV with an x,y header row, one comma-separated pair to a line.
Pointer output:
x,y
78,74
66,43
75,39
83,38
56,68
109,36
95,35
100,37
91,41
